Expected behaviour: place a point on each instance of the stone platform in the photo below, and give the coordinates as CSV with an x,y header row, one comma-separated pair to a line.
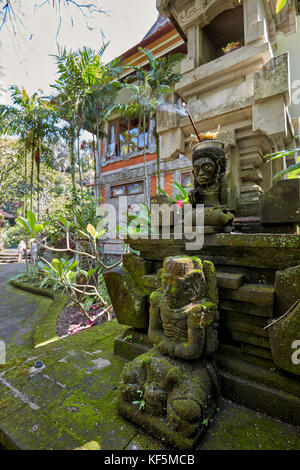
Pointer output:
x,y
71,403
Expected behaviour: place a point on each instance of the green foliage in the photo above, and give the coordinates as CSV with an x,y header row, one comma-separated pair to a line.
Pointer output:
x,y
13,236
29,225
182,196
139,223
141,402
61,271
292,171
279,5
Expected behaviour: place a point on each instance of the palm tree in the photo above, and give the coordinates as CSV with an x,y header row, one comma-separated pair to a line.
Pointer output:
x,y
86,88
71,91
104,85
34,120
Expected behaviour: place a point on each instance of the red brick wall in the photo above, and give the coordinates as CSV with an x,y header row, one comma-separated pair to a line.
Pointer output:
x,y
130,162
103,195
153,186
168,183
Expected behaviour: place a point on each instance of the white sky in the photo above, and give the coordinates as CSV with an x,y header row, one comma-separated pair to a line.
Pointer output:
x,y
25,57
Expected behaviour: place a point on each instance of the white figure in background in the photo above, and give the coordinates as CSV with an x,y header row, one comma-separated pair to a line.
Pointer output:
x,y
33,250
21,250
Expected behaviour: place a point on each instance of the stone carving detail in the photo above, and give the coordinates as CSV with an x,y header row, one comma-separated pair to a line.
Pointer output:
x,y
210,187
172,391
205,10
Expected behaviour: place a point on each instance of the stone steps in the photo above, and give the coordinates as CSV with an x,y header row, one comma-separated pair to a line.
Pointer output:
x,y
245,310
241,364
229,280
257,294
10,256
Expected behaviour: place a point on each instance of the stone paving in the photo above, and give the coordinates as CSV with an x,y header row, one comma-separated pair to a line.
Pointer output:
x,y
70,403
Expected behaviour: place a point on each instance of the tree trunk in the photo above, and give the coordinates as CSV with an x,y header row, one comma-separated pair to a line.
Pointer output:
x,y
72,161
25,178
38,180
31,173
99,161
78,159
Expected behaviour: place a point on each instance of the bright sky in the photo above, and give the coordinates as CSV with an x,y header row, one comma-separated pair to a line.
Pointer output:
x,y
25,57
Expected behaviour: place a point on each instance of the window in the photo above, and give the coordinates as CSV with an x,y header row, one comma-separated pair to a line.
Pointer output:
x,y
186,179
129,189
127,136
111,144
225,28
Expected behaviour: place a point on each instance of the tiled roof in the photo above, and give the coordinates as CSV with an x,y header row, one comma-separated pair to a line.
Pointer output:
x,y
160,22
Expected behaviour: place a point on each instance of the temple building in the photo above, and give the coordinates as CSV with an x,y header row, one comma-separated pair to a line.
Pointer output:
x,y
250,94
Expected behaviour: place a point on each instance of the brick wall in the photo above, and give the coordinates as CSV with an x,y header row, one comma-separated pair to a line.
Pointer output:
x,y
168,184
153,189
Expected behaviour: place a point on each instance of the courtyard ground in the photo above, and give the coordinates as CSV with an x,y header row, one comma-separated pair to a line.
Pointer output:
x,y
70,402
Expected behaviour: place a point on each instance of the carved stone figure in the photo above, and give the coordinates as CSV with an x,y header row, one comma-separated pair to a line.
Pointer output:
x,y
210,188
172,390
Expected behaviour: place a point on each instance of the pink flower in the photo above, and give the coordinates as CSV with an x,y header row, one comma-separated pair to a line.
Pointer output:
x,y
179,203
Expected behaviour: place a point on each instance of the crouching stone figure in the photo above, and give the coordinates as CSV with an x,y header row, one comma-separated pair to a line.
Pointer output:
x,y
172,391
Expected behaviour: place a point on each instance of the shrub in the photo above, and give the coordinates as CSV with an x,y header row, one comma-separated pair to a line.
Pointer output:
x,y
13,235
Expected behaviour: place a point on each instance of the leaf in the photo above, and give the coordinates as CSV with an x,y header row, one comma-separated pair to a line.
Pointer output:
x,y
92,231
57,265
287,171
279,5
91,272
31,218
38,228
24,225
165,194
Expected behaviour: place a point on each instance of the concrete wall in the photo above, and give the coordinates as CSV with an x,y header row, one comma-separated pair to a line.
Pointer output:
x,y
291,44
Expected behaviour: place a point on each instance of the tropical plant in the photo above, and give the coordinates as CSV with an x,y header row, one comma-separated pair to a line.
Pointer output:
x,y
13,235
181,198
86,87
292,171
138,224
103,87
34,120
279,5
67,271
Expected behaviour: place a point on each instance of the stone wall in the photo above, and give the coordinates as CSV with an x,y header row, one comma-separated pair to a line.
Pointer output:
x,y
245,92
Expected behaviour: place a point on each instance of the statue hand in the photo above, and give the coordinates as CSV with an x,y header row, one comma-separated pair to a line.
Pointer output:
x,y
207,314
167,347
202,315
192,198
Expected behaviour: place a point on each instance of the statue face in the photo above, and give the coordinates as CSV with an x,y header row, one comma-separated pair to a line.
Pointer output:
x,y
204,170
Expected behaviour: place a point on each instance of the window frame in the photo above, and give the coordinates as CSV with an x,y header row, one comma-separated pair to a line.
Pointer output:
x,y
182,174
116,122
126,188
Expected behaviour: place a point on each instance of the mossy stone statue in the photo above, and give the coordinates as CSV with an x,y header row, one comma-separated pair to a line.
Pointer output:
x,y
172,391
210,188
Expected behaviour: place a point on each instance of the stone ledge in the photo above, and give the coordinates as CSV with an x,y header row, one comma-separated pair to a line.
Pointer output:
x,y
261,398
46,331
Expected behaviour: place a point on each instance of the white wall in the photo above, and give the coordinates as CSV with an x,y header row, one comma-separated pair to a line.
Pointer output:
x,y
291,44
